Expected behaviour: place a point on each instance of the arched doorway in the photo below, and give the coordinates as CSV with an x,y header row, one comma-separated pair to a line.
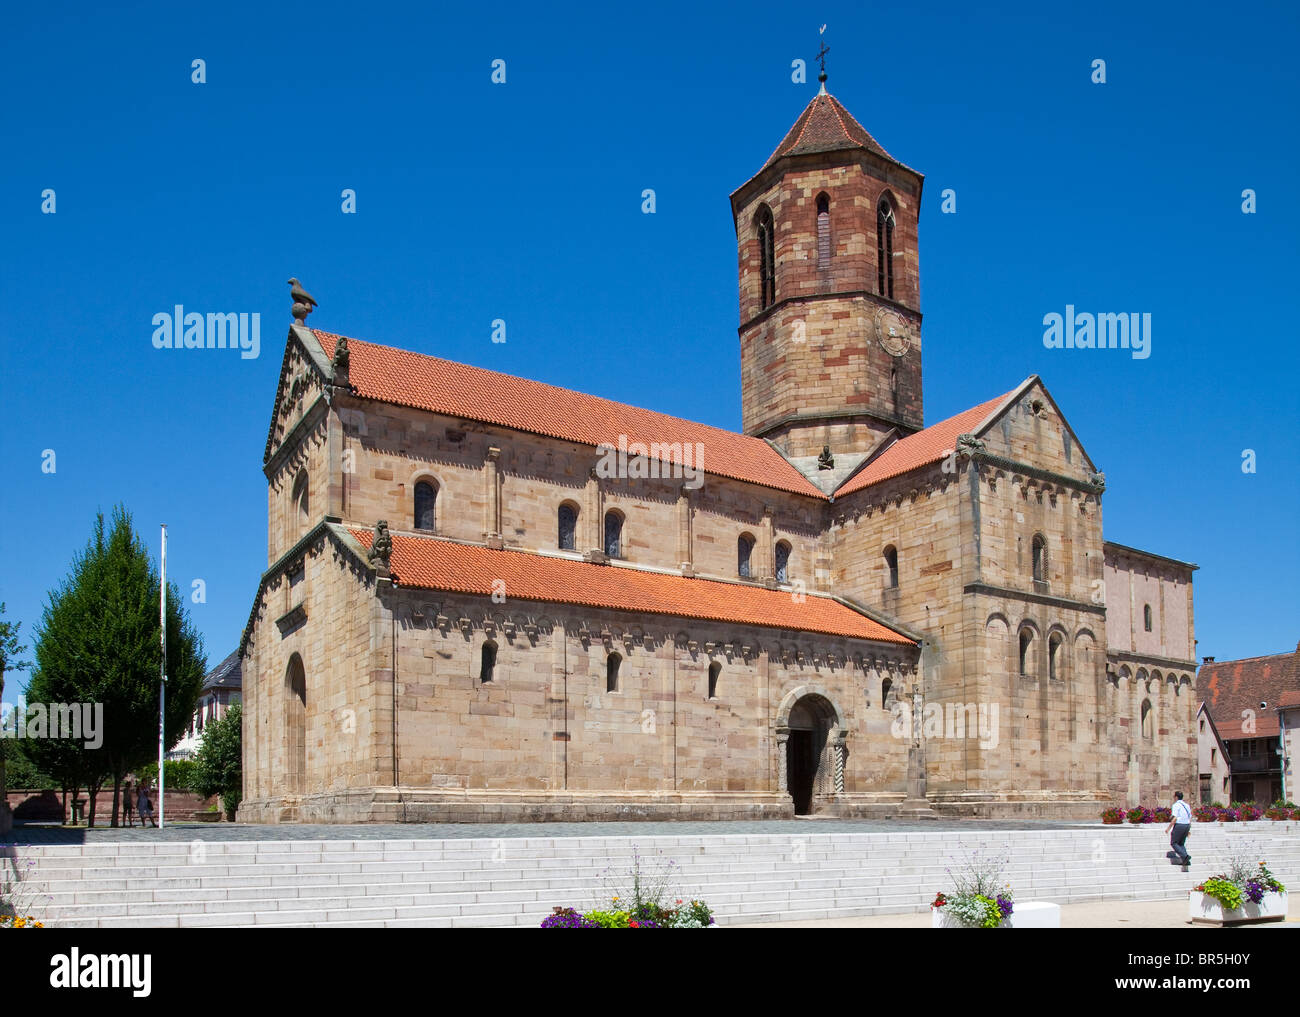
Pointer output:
x,y
295,726
810,739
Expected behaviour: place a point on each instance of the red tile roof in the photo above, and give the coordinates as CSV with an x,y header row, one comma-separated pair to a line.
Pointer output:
x,y
922,448
459,390
826,126
1229,687
434,564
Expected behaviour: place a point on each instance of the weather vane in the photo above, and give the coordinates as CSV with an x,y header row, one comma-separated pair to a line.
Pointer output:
x,y
821,56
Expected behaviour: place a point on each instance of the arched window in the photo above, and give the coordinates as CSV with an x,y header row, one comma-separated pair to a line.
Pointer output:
x,y
1053,655
885,249
1040,558
891,566
1026,641
1146,718
487,662
301,511
568,539
611,672
823,231
613,534
782,562
765,228
1146,617
744,550
715,669
885,686
426,498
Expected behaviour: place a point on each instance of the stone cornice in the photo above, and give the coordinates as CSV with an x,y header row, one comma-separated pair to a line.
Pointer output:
x,y
804,298
1034,598
328,528
1168,663
313,416
1037,473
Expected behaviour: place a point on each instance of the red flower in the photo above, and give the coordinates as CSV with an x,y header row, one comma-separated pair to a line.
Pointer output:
x,y
633,925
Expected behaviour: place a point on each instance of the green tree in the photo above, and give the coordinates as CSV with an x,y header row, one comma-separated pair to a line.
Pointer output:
x,y
99,642
220,759
10,653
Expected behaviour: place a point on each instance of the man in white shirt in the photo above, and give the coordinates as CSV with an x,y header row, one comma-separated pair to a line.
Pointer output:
x,y
1180,824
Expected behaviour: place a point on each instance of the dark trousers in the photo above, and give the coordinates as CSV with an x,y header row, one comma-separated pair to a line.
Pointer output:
x,y
1177,838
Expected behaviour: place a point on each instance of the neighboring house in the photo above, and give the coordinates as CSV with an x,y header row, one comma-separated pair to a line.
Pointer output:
x,y
1212,761
1288,712
1251,701
221,687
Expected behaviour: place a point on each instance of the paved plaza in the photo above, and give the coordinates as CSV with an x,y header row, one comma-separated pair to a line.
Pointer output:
x,y
467,831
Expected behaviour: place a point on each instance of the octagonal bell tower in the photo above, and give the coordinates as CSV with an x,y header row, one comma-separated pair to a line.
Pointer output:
x,y
830,301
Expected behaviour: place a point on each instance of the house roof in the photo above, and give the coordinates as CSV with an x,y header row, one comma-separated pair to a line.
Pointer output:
x,y
226,675
435,564
1232,687
924,447
826,126
459,390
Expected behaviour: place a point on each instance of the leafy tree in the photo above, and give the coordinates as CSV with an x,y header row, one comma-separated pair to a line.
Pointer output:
x,y
220,759
99,642
10,653
20,769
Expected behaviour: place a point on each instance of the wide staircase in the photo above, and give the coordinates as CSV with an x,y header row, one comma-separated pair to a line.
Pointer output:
x,y
517,881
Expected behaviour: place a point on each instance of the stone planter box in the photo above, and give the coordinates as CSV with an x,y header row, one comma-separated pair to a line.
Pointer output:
x,y
1205,909
1030,914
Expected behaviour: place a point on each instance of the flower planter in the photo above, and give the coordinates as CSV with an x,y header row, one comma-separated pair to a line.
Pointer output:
x,y
1207,910
1030,914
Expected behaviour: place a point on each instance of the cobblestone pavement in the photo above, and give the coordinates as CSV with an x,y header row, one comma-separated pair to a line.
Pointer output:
x,y
462,831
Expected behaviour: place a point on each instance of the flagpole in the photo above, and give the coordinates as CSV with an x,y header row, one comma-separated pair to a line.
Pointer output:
x,y
162,673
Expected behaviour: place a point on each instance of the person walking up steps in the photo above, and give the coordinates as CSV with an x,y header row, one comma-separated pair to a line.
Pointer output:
x,y
1180,824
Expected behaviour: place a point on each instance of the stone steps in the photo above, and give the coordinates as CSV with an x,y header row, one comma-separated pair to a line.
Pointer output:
x,y
515,882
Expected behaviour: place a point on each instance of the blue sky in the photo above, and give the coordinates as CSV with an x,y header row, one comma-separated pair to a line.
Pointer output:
x,y
522,201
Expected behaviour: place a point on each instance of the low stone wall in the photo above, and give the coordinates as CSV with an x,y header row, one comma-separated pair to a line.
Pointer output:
x,y
46,806
423,805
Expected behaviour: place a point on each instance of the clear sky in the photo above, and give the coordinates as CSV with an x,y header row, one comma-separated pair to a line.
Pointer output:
x,y
522,201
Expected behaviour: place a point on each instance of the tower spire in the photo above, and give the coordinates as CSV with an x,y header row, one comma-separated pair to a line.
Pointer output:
x,y
821,56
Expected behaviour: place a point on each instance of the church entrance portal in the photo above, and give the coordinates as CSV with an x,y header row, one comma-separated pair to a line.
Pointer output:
x,y
808,752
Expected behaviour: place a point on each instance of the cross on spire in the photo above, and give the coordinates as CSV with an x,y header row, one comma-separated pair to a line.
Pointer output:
x,y
821,56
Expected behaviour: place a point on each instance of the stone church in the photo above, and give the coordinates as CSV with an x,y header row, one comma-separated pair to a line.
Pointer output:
x,y
491,599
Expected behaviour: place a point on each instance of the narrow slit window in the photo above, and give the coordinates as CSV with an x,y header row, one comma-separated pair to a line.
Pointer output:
x,y
823,231
885,250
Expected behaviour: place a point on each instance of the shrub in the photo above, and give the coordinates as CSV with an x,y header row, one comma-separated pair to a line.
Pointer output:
x,y
1112,815
567,918
1140,814
1226,892
609,919
180,774
1228,815
1164,815
1205,813
1249,813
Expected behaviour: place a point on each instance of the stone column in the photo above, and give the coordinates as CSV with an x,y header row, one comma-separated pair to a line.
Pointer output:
x,y
782,777
593,510
685,534
767,553
492,494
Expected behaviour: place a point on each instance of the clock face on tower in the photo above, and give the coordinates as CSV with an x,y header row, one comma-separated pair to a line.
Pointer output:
x,y
895,332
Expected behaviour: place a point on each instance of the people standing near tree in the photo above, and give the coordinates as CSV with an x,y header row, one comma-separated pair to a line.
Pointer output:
x,y
127,804
1180,824
144,806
